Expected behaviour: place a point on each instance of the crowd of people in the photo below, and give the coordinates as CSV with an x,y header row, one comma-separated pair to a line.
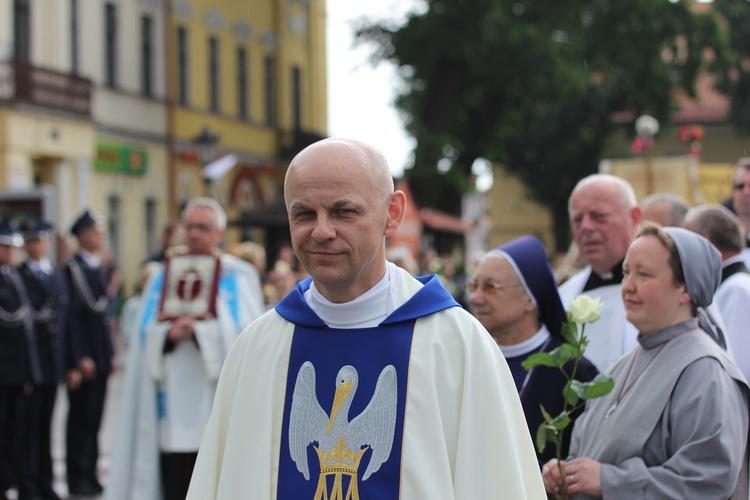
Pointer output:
x,y
345,369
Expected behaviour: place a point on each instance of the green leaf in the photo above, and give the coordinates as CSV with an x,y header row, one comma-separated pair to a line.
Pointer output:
x,y
600,386
560,422
563,354
570,395
541,438
539,359
579,388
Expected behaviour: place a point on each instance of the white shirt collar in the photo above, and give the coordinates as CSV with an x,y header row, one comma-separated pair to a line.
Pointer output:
x,y
732,260
92,260
528,345
366,311
41,265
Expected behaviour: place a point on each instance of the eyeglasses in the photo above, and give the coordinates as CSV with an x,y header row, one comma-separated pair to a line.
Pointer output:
x,y
202,228
487,288
740,186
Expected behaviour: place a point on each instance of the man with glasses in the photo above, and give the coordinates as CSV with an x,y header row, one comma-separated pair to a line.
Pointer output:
x,y
741,200
194,308
514,295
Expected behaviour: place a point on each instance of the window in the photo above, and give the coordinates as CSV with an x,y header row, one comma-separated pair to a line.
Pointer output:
x,y
147,48
152,244
113,226
242,83
74,36
182,66
270,89
110,45
22,30
213,74
297,97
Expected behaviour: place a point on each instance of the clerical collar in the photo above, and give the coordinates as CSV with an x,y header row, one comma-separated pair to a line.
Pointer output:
x,y
91,260
528,345
732,260
366,311
614,277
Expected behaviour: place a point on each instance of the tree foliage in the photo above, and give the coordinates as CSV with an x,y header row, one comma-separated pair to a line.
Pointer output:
x,y
534,84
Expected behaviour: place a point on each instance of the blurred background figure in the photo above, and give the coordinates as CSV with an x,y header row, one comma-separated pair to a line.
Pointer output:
x,y
174,359
283,276
402,257
255,255
252,253
19,364
741,200
49,300
129,312
173,234
514,295
92,352
724,229
665,209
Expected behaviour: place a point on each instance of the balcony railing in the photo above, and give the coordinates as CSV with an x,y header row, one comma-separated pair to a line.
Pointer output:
x,y
21,81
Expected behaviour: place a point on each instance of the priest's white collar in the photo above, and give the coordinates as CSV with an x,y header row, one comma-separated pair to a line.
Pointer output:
x,y
528,345
732,260
366,311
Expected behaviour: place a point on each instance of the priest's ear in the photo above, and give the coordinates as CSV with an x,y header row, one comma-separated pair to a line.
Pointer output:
x,y
396,212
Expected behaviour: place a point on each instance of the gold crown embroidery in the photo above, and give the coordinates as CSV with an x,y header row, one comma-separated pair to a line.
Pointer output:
x,y
338,462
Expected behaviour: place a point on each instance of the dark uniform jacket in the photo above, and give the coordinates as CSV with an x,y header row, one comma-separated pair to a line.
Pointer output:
x,y
49,301
88,323
15,352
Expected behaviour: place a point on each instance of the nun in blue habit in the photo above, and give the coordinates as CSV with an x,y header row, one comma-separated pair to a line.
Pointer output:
x,y
514,295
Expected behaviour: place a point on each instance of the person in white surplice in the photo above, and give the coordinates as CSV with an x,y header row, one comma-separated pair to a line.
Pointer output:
x,y
174,362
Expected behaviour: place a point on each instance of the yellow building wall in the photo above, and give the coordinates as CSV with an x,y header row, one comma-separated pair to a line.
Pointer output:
x,y
292,32
671,174
513,213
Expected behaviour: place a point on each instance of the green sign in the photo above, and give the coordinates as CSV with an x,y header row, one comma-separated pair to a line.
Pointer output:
x,y
121,159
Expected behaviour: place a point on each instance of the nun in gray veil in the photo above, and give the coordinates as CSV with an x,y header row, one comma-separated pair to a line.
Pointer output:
x,y
676,423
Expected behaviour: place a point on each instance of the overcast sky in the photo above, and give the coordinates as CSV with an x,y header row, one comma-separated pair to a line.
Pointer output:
x,y
360,97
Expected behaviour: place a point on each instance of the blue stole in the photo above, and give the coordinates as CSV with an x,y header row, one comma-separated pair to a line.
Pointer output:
x,y
369,351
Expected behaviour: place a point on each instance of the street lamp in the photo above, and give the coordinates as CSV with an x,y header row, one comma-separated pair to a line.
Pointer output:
x,y
646,127
206,143
691,136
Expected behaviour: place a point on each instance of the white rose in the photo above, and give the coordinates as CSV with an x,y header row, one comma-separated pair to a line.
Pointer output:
x,y
585,309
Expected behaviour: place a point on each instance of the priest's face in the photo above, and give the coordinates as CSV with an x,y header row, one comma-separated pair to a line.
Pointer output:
x,y
500,302
603,224
339,213
652,298
203,234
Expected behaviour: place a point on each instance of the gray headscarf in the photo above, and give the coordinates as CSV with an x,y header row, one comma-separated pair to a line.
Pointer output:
x,y
701,264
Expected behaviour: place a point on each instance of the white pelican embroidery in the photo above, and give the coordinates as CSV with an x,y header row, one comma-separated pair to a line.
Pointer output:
x,y
341,442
